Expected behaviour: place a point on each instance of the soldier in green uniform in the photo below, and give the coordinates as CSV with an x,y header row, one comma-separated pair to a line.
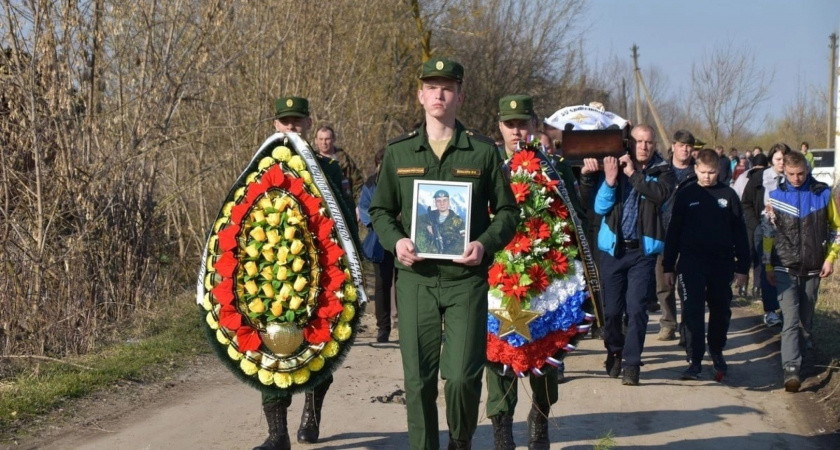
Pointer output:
x,y
441,230
430,291
292,115
516,123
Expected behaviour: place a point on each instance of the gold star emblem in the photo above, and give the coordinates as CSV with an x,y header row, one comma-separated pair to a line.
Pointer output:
x,y
513,319
439,65
513,104
289,103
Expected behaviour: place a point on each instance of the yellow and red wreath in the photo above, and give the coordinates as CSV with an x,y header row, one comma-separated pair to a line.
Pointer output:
x,y
281,279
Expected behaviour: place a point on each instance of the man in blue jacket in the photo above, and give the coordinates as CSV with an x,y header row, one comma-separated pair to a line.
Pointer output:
x,y
629,194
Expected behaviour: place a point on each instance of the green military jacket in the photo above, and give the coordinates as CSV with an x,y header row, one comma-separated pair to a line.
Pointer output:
x,y
434,236
468,157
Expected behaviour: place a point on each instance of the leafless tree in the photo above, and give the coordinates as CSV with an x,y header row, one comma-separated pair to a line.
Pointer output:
x,y
728,86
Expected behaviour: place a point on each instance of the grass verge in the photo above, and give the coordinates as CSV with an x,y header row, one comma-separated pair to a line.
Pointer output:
x,y
174,337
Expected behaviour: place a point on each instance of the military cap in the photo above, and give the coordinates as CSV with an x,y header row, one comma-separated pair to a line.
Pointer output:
x,y
516,107
291,106
442,67
441,194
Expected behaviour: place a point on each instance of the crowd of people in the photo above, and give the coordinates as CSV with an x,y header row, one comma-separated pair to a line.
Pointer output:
x,y
680,223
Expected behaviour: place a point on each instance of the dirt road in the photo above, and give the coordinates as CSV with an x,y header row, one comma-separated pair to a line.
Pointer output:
x,y
210,409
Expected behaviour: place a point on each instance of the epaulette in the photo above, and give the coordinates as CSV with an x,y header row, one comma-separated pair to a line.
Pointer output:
x,y
480,137
408,135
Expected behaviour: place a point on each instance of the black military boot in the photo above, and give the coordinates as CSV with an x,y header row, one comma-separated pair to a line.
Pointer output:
x,y
503,432
457,444
538,428
310,420
278,433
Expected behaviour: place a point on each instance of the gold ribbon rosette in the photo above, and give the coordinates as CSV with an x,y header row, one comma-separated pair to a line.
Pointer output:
x,y
281,279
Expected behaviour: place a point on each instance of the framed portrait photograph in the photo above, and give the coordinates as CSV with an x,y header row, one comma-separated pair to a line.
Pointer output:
x,y
440,223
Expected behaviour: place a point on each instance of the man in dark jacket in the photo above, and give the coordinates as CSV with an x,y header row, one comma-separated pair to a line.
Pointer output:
x,y
631,191
682,164
707,232
807,241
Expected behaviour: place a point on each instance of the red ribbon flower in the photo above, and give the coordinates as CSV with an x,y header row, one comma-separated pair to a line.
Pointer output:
x,y
248,338
558,261
537,228
539,279
512,288
230,318
317,331
526,160
520,191
519,244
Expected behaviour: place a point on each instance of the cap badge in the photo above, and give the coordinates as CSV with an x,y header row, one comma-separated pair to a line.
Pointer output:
x,y
513,104
439,65
289,103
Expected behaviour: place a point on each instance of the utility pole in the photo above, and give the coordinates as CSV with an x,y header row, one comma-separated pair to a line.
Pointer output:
x,y
622,101
833,68
635,49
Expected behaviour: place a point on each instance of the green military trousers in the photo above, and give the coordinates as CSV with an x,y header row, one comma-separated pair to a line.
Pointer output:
x,y
461,307
502,392
319,390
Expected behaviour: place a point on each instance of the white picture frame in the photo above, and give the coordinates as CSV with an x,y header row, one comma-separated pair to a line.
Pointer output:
x,y
435,237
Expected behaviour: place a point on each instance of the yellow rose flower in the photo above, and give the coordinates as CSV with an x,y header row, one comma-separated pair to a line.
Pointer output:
x,y
297,265
281,153
315,191
307,177
276,308
296,163
350,292
258,233
251,268
348,313
300,283
330,349
251,178
282,380
251,287
264,203
267,273
342,331
211,321
347,276
273,219
316,364
300,376
257,215
252,250
268,254
281,203
247,366
272,236
285,291
256,306
296,247
294,217
238,194
268,290
233,353
289,233
266,377
295,302
281,272
282,255
265,163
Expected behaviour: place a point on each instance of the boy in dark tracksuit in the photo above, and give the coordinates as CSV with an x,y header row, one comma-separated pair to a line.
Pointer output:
x,y
708,234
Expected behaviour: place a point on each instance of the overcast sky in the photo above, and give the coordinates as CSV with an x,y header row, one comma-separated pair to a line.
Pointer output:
x,y
789,38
